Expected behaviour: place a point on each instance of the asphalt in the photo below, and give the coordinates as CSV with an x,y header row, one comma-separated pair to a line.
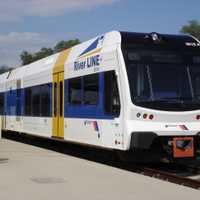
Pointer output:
x,y
29,172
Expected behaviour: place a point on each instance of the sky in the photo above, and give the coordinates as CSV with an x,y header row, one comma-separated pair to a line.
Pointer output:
x,y
33,24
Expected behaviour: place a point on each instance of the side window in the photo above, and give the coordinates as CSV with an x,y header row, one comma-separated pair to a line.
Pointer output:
x,y
111,94
1,103
28,95
36,101
45,100
18,98
91,89
75,92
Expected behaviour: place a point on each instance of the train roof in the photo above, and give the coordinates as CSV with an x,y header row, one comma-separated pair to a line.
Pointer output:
x,y
110,39
48,63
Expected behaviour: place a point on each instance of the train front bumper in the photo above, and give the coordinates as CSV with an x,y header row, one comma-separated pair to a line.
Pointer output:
x,y
171,147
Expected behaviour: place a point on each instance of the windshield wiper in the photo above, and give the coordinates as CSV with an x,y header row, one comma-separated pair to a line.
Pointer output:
x,y
170,100
181,100
138,100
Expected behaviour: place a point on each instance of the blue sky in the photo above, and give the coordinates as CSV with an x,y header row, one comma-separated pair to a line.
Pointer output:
x,y
32,24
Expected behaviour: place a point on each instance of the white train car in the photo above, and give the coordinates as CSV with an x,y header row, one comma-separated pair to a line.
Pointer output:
x,y
130,92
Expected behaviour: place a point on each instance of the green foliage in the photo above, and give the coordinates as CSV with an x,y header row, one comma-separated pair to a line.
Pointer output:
x,y
62,45
192,28
28,58
4,69
44,52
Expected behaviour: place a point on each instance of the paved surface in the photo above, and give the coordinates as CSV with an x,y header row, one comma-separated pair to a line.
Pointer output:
x,y
32,173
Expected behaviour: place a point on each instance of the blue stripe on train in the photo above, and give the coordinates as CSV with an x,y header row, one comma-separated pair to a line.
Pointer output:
x,y
87,111
14,102
14,106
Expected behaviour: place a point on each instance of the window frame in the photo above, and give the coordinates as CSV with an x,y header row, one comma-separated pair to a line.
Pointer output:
x,y
108,94
81,80
84,90
29,108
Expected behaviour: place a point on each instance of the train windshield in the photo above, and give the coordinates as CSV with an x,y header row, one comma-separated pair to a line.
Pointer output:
x,y
164,80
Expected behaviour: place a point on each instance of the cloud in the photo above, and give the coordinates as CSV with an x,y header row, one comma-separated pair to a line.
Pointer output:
x,y
12,44
14,10
23,39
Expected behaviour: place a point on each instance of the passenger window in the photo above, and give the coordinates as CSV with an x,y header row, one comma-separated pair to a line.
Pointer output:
x,y
28,94
1,103
111,94
91,89
45,100
18,98
75,94
36,101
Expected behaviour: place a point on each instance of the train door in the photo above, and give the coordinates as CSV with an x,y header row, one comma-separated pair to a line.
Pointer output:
x,y
113,109
58,105
58,95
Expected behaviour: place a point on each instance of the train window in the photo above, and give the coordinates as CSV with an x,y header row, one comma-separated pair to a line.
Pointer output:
x,y
1,103
45,100
111,94
18,98
28,94
18,101
61,98
55,99
91,89
75,92
36,101
196,85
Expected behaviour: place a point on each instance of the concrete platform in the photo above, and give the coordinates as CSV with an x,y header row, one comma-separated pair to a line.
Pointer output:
x,y
32,173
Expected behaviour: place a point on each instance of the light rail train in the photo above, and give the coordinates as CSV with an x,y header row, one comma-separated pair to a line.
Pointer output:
x,y
135,93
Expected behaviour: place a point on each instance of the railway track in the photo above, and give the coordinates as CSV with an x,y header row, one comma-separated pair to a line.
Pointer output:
x,y
176,173
170,177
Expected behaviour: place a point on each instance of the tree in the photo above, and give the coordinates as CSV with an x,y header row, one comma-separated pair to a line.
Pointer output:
x,y
44,52
27,58
4,69
192,28
62,45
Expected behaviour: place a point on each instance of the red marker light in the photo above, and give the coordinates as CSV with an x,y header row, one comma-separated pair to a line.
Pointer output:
x,y
145,116
151,117
198,117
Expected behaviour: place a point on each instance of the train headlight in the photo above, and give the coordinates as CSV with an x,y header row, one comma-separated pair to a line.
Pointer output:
x,y
154,37
145,116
